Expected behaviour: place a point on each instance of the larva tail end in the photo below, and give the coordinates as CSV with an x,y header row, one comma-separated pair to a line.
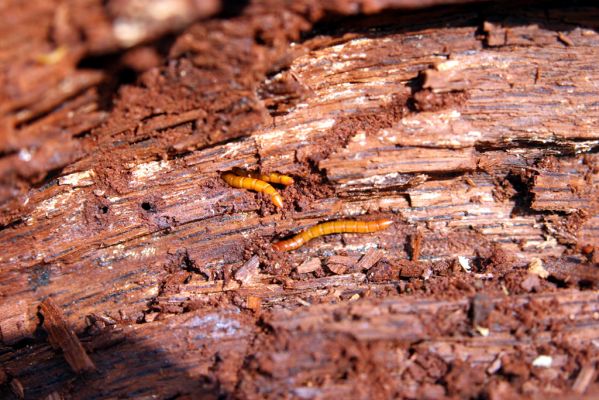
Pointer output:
x,y
287,180
384,223
278,201
227,176
279,246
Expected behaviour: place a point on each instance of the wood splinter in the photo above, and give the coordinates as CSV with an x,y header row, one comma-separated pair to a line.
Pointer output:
x,y
327,228
258,182
63,337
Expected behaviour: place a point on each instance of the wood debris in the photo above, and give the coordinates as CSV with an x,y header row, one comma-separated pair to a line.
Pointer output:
x,y
369,259
535,267
585,377
309,265
340,264
63,337
249,271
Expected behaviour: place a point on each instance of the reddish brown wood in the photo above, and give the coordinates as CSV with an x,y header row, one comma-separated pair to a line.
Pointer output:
x,y
62,337
474,130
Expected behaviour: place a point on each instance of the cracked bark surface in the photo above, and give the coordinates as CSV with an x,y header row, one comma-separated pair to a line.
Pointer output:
x,y
475,131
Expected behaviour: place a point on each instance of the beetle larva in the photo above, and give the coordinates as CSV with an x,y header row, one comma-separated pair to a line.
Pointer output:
x,y
257,185
327,228
273,177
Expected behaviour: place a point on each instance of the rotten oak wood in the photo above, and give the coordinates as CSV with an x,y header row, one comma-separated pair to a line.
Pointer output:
x,y
450,161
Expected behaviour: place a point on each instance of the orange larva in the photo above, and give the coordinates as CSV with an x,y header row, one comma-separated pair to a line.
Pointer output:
x,y
254,184
327,228
273,177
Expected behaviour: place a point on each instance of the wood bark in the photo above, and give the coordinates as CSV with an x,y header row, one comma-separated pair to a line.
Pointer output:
x,y
479,139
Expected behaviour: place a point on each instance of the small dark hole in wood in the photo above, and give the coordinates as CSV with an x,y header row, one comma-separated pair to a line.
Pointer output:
x,y
560,283
148,206
104,209
259,39
586,285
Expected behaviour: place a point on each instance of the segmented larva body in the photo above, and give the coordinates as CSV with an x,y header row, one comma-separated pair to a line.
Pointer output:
x,y
257,185
327,228
273,177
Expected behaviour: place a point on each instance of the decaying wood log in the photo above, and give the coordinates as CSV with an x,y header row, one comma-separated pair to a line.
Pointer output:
x,y
475,132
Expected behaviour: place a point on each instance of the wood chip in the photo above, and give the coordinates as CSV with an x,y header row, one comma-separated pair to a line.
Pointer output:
x,y
54,396
17,388
416,245
586,375
530,283
254,303
248,272
535,267
481,307
465,263
427,273
340,264
354,297
52,57
328,281
310,265
565,39
482,330
337,268
150,317
63,337
409,269
78,179
495,365
369,259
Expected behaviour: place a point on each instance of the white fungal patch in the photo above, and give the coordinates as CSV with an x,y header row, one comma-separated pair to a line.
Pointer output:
x,y
359,139
358,56
213,326
430,119
148,171
476,211
474,134
359,247
342,48
349,94
148,251
50,205
375,180
395,204
78,179
427,196
447,65
25,155
119,249
232,149
301,132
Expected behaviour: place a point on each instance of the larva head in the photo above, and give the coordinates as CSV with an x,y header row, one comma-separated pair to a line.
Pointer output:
x,y
287,180
384,223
